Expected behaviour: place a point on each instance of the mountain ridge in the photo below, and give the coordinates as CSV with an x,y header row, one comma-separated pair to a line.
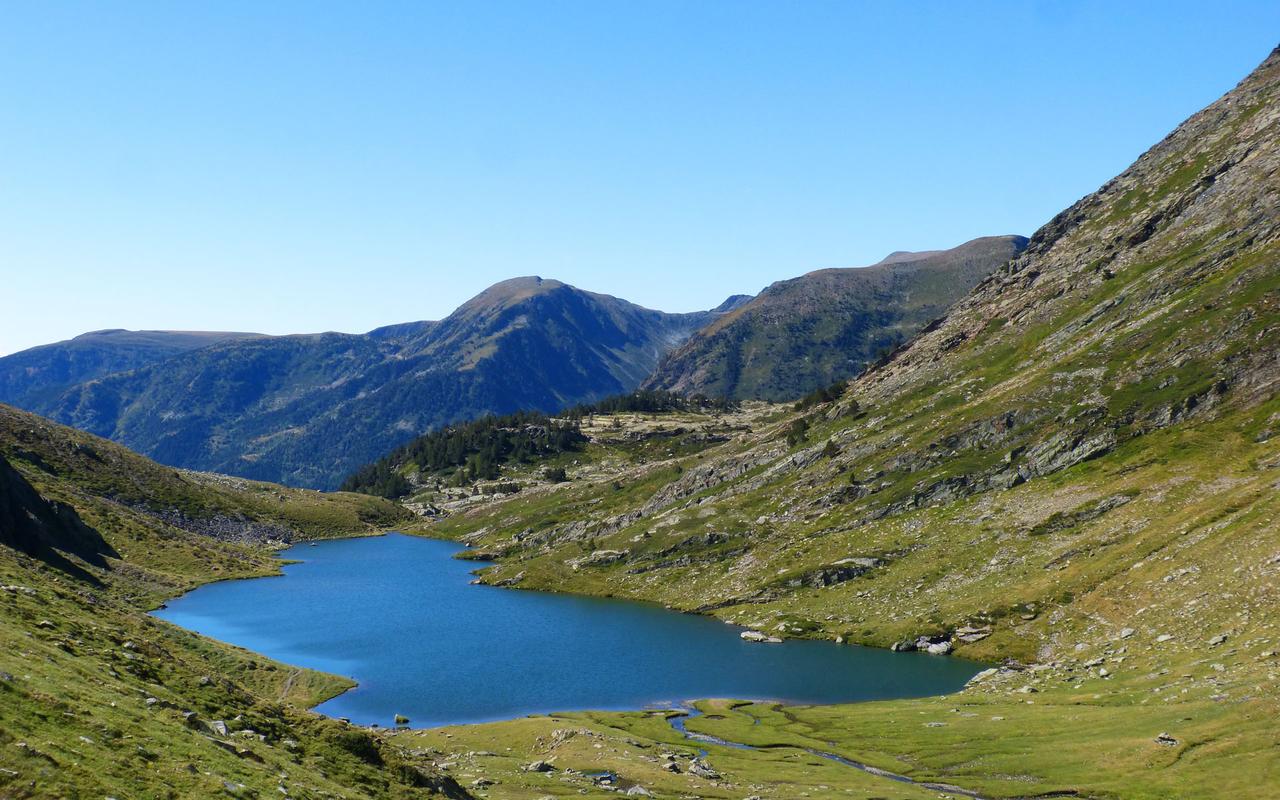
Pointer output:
x,y
46,369
307,409
806,332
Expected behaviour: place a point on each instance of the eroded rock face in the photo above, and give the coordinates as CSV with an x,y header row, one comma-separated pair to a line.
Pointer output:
x,y
598,558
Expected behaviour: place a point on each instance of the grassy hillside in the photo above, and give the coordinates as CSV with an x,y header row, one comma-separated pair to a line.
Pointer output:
x,y
1074,473
99,699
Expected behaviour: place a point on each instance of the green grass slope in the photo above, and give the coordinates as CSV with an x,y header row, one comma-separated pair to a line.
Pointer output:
x,y
98,699
1074,473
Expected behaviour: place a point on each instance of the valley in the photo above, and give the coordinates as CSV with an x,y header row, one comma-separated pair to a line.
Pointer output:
x,y
1070,475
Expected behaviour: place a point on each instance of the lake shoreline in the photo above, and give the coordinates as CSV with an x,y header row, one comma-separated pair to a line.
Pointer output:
x,y
361,683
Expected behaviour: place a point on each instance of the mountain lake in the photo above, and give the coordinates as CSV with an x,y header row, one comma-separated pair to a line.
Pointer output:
x,y
399,615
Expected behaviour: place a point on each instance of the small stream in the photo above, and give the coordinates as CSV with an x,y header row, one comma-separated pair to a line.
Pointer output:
x,y
678,723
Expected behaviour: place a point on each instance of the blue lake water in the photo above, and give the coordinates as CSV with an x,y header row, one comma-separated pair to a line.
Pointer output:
x,y
397,614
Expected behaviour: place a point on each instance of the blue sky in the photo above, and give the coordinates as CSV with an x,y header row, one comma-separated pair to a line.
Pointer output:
x,y
285,167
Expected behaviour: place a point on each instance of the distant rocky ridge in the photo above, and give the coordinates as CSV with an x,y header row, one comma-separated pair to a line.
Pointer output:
x,y
825,326
306,410
30,377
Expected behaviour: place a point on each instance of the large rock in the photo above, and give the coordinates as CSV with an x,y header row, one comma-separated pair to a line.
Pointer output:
x,y
599,558
702,769
969,633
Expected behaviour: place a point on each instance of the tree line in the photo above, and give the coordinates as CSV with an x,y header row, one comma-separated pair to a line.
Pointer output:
x,y
649,401
477,450
469,452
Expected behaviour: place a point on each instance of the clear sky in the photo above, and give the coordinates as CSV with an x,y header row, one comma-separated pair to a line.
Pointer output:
x,y
286,167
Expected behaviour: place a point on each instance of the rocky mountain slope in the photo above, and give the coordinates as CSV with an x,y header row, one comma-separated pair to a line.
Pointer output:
x,y
307,410
32,376
98,699
807,332
1073,474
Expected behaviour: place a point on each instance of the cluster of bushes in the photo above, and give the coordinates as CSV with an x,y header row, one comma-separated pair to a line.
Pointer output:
x,y
797,432
823,394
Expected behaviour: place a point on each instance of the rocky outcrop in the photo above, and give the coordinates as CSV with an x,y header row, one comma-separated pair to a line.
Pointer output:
x,y
225,527
598,558
846,569
1061,521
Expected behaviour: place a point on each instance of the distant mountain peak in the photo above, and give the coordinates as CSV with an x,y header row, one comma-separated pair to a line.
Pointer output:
x,y
899,256
804,333
46,370
512,291
95,334
732,302
147,333
307,409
